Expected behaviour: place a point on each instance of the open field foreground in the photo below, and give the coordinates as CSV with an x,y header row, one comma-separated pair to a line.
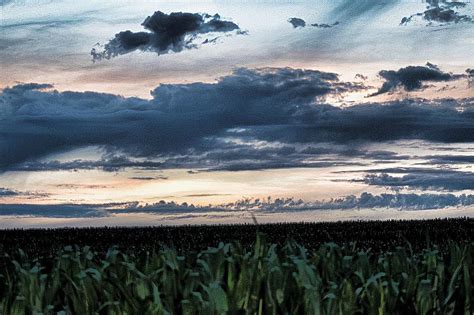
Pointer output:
x,y
434,275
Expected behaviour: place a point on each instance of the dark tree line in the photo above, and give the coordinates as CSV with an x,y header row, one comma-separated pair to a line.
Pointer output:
x,y
376,235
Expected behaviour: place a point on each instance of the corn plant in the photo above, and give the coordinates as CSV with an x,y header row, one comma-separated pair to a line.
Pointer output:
x,y
264,278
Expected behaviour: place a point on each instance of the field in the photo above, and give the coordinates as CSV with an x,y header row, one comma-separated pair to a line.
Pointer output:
x,y
395,267
377,235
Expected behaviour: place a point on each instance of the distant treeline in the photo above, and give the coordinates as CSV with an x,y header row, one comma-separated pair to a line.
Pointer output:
x,y
376,235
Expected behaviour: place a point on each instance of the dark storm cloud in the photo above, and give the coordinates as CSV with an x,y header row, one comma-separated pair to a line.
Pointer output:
x,y
280,107
412,78
432,179
297,22
440,12
165,33
38,123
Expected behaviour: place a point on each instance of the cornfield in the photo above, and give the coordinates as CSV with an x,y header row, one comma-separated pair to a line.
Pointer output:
x,y
264,278
377,235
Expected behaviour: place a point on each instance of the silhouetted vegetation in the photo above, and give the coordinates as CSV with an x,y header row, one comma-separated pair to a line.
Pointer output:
x,y
376,235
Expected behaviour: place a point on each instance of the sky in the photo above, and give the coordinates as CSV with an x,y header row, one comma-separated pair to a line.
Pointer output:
x,y
201,112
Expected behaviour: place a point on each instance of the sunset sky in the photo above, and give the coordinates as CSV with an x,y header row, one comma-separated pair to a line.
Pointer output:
x,y
182,112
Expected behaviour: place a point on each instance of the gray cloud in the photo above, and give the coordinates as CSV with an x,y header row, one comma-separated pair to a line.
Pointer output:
x,y
277,205
165,33
82,186
470,76
108,163
297,22
5,192
440,12
424,179
223,157
38,122
52,210
5,2
403,201
449,159
147,178
281,107
364,200
324,25
411,78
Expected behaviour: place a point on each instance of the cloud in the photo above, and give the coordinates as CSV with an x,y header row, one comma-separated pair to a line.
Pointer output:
x,y
440,12
263,117
52,210
411,78
147,178
400,201
5,2
206,195
5,192
424,179
297,22
442,15
268,205
180,116
82,186
324,25
361,77
108,163
165,33
218,157
470,76
449,159
284,205
348,11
